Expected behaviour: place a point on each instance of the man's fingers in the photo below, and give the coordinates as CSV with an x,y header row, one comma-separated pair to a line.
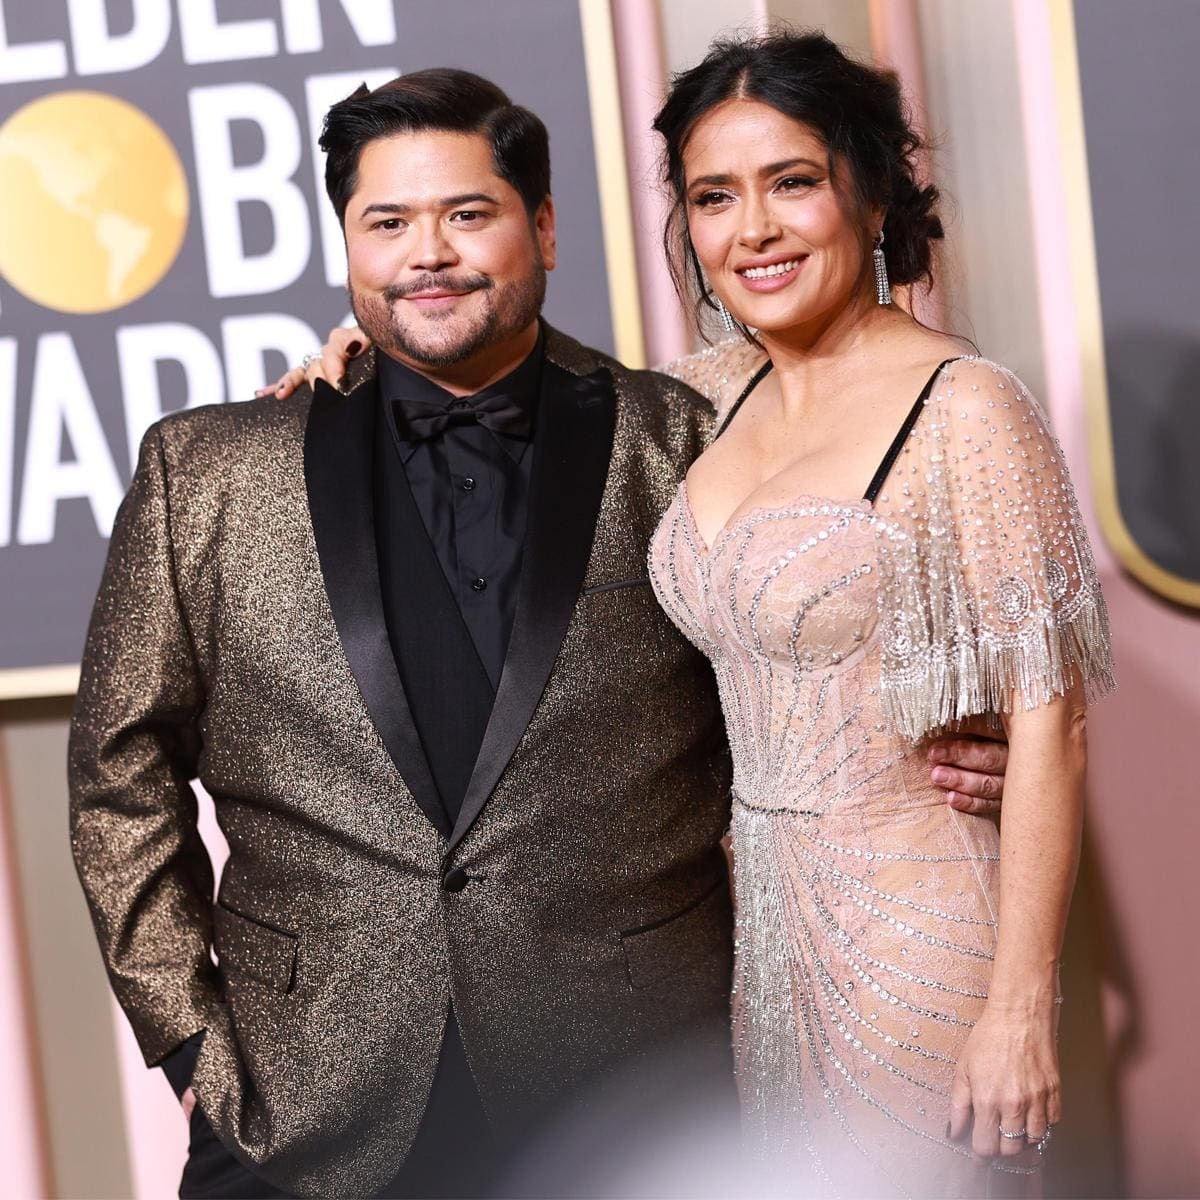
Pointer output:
x,y
975,805
972,783
970,754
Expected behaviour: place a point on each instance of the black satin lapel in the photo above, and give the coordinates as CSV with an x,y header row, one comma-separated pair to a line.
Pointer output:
x,y
338,467
573,444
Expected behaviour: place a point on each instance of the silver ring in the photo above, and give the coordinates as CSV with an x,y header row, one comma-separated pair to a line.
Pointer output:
x,y
308,360
1016,1135
1045,1139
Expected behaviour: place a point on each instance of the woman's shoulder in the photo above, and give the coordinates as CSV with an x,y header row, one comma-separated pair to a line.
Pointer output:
x,y
973,393
975,380
718,372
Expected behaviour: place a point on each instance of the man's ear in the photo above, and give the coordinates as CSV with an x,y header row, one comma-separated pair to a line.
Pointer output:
x,y
544,230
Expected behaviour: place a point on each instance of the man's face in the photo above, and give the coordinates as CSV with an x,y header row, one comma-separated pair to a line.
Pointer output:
x,y
446,265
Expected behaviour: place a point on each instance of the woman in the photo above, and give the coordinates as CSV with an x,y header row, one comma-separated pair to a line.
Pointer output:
x,y
881,540
895,999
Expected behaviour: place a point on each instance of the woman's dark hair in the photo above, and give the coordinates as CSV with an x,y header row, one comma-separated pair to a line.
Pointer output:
x,y
857,111
445,99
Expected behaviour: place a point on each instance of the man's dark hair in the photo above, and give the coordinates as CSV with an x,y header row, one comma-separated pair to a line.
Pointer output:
x,y
445,99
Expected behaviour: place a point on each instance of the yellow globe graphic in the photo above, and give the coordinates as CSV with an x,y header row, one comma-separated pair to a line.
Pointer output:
x,y
93,203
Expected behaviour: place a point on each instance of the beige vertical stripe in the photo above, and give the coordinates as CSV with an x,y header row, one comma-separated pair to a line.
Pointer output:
x,y
604,99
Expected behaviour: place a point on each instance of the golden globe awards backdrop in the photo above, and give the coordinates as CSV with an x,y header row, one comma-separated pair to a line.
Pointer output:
x,y
166,242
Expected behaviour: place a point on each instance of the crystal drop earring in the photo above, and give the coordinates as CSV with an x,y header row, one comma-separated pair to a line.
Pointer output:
x,y
883,290
725,316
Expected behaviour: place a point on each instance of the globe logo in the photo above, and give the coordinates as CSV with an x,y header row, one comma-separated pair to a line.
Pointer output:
x,y
94,204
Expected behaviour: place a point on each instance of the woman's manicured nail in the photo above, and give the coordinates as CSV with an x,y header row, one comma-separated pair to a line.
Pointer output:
x,y
353,348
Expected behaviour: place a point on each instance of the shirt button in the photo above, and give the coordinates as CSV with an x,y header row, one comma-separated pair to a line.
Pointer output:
x,y
479,585
468,484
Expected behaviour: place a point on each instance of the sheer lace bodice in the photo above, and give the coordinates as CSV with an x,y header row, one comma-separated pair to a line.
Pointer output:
x,y
865,905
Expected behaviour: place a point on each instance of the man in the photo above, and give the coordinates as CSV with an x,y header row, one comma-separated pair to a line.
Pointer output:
x,y
472,780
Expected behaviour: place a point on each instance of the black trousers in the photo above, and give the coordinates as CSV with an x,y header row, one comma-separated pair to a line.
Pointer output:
x,y
454,1154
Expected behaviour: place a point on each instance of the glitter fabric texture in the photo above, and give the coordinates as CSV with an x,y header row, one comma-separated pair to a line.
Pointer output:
x,y
842,633
590,932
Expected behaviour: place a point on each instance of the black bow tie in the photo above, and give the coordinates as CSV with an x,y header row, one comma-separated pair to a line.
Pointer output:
x,y
418,421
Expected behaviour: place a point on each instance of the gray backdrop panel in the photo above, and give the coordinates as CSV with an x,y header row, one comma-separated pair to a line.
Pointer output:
x,y
1138,65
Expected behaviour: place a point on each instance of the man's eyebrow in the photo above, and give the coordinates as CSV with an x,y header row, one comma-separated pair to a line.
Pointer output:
x,y
399,210
468,198
769,169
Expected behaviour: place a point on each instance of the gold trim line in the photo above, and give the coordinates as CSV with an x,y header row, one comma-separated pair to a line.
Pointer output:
x,y
29,683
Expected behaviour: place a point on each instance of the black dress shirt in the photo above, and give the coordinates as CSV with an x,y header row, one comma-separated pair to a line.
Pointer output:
x,y
471,487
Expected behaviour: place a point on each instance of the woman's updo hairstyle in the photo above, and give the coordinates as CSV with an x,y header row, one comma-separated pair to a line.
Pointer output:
x,y
857,111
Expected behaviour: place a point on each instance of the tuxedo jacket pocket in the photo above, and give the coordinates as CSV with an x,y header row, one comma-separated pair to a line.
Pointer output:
x,y
252,948
616,585
656,952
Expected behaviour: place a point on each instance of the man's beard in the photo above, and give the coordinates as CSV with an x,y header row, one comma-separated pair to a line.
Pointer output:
x,y
506,312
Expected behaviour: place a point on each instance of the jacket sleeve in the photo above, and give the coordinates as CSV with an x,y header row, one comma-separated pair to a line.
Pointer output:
x,y
133,750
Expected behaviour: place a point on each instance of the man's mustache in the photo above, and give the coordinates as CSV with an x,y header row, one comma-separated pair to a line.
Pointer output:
x,y
437,282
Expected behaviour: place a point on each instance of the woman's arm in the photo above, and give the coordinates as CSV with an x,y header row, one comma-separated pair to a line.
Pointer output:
x,y
343,345
1008,1076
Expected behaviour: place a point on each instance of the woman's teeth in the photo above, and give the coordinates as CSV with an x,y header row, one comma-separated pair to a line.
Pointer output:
x,y
774,269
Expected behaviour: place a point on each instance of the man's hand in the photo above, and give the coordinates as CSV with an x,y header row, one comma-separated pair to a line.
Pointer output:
x,y
970,771
188,1101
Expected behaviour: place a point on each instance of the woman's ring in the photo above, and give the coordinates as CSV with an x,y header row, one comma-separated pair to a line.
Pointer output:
x,y
1016,1135
308,360
1045,1139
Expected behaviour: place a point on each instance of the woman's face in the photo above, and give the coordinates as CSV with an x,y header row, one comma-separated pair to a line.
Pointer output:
x,y
774,236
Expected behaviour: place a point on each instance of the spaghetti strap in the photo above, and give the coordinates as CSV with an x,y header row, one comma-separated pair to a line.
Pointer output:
x,y
755,380
889,459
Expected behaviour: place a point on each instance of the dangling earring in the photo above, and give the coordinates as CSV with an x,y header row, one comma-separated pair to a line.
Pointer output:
x,y
883,290
725,316
724,313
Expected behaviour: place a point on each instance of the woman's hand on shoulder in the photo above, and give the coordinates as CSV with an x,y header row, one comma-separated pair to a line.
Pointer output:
x,y
330,364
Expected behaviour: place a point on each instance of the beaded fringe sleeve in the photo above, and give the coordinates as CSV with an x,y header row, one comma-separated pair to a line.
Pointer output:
x,y
988,593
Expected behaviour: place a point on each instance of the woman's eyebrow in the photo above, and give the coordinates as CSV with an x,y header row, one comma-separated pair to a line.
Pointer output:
x,y
769,169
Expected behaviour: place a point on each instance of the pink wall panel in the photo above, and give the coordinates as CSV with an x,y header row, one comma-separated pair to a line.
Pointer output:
x,y
22,1131
157,1130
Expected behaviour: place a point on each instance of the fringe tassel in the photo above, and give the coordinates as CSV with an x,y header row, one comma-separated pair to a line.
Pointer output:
x,y
984,674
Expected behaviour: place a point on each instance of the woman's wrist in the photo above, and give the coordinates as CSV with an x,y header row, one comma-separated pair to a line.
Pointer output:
x,y
1026,994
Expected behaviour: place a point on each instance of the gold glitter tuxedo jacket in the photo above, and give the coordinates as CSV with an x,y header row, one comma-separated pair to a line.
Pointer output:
x,y
238,637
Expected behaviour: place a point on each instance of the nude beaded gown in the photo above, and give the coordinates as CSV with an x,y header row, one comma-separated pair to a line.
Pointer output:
x,y
842,632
